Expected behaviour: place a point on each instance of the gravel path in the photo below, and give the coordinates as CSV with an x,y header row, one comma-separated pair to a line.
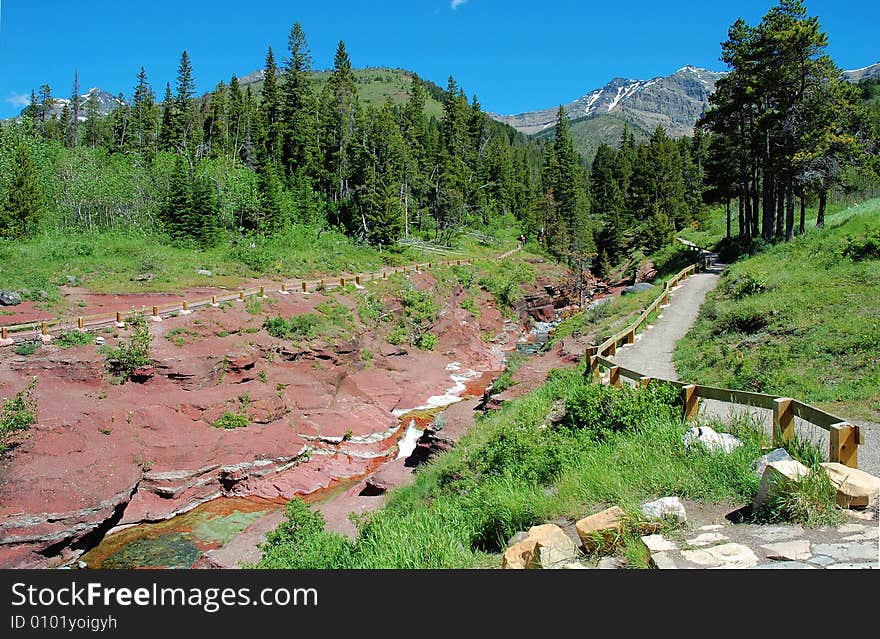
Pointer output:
x,y
652,355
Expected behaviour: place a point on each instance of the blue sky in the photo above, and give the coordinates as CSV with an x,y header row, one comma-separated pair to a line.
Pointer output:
x,y
516,55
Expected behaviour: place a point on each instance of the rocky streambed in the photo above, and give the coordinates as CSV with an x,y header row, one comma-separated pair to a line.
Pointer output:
x,y
133,473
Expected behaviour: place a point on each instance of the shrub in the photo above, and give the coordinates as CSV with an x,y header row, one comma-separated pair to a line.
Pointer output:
x,y
27,348
126,356
748,284
300,542
866,248
69,339
297,327
18,413
229,421
397,336
603,410
426,341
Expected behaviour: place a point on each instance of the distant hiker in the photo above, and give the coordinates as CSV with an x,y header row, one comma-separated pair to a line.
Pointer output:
x,y
522,240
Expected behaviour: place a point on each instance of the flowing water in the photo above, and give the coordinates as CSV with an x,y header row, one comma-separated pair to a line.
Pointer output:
x,y
180,541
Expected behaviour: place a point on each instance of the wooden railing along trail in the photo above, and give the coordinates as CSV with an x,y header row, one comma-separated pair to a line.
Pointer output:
x,y
844,438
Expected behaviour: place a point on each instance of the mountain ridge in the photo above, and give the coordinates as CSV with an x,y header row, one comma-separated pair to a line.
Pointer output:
x,y
676,101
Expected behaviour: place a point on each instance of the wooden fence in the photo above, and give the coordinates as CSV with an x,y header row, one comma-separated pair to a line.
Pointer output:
x,y
844,438
99,321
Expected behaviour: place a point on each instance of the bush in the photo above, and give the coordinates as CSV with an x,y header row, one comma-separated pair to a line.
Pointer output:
x,y
123,359
297,327
397,336
70,339
27,348
866,248
748,284
18,413
426,341
603,410
300,542
229,421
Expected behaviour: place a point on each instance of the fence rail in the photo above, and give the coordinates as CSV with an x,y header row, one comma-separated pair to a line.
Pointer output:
x,y
86,323
844,438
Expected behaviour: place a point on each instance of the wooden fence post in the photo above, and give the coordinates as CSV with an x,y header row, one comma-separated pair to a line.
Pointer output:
x,y
645,381
844,445
689,402
594,367
262,291
612,350
614,376
342,282
783,421
80,323
4,334
305,287
44,328
357,280
631,337
241,296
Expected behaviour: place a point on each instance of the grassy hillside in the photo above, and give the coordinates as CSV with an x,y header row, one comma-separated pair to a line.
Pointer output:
x,y
800,319
590,132
616,446
376,85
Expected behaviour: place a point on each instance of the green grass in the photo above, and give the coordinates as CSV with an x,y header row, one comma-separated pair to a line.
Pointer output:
x,y
801,319
463,506
710,232
109,262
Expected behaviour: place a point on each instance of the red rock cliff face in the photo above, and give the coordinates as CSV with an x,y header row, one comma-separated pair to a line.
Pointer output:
x,y
104,455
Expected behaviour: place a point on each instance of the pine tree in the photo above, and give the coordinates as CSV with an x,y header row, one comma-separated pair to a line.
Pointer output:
x,y
569,184
25,204
184,112
271,215
73,139
204,220
177,212
143,116
298,108
168,135
341,112
93,124
118,125
215,127
270,110
236,118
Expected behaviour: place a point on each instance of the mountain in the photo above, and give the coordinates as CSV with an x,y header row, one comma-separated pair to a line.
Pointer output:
x,y
676,101
865,73
106,103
